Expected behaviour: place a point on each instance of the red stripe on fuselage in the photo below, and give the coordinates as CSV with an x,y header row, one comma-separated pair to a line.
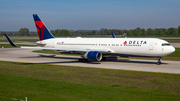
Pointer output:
x,y
42,27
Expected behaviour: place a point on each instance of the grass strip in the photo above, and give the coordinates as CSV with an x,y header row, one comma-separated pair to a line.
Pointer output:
x,y
43,82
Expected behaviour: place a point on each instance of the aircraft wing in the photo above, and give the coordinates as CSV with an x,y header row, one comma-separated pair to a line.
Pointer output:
x,y
58,49
64,49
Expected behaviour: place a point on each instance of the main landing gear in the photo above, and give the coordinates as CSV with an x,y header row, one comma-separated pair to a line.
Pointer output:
x,y
159,61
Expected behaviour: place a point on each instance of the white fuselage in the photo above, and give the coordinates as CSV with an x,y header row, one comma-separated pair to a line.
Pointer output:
x,y
131,46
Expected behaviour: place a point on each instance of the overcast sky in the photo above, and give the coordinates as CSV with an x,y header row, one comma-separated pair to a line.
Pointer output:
x,y
89,14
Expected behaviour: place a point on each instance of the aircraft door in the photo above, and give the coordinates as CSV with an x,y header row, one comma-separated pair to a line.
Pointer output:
x,y
151,46
53,44
162,51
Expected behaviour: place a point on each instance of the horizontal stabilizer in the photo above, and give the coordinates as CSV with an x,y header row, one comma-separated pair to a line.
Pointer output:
x,y
10,41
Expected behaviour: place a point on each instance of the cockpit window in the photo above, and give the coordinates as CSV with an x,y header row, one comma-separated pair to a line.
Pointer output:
x,y
166,44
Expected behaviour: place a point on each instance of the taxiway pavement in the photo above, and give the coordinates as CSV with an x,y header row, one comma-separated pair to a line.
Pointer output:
x,y
26,55
176,45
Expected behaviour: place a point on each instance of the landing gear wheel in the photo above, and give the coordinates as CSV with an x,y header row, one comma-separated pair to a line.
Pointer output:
x,y
103,59
159,61
80,60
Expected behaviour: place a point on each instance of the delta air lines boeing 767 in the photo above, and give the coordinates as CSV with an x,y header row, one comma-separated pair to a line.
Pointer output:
x,y
97,48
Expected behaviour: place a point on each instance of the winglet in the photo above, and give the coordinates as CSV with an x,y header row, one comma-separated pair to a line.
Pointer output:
x,y
10,41
113,35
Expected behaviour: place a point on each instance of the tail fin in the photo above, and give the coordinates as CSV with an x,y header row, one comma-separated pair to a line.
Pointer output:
x,y
43,32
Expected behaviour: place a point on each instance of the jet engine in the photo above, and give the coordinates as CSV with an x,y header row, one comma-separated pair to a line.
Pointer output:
x,y
93,55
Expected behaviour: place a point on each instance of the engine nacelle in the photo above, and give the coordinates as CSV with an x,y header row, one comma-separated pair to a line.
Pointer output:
x,y
93,55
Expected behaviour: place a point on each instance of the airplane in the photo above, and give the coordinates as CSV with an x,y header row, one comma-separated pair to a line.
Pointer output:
x,y
95,49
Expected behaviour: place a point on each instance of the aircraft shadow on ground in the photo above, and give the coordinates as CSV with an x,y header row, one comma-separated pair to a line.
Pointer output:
x,y
50,56
136,61
89,62
59,62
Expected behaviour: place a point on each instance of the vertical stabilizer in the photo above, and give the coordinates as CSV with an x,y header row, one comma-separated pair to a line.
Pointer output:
x,y
43,32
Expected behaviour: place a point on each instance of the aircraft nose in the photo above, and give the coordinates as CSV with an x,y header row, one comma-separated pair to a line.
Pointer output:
x,y
172,49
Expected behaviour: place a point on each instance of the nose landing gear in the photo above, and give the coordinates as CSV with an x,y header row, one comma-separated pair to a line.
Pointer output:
x,y
159,61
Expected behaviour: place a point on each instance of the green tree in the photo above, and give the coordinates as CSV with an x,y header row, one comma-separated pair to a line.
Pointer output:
x,y
105,31
129,33
135,33
64,32
143,32
2,33
178,30
54,32
93,32
102,31
157,31
164,32
138,31
24,32
171,31
150,31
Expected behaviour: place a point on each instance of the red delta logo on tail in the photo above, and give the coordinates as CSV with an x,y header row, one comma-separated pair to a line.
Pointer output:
x,y
43,32
40,29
